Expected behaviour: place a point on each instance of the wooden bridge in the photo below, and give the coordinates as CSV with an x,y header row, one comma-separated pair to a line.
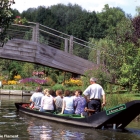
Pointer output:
x,y
42,45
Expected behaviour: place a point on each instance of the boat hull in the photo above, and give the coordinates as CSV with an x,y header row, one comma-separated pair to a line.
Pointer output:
x,y
117,118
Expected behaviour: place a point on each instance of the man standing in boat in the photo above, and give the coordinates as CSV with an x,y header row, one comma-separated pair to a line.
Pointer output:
x,y
95,93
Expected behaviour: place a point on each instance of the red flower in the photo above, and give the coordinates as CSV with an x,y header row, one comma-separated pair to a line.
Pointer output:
x,y
18,17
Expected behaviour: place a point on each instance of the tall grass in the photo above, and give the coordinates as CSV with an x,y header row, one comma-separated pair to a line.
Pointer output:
x,y
113,100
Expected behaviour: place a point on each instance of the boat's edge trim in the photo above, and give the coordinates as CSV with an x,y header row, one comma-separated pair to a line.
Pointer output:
x,y
63,120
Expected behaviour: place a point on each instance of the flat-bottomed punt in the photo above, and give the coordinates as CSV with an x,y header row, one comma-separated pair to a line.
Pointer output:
x,y
116,118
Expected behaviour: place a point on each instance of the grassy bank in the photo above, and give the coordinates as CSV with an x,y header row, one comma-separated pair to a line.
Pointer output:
x,y
116,99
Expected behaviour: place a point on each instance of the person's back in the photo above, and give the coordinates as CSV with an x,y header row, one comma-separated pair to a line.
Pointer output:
x,y
96,91
47,102
79,102
58,101
36,98
68,103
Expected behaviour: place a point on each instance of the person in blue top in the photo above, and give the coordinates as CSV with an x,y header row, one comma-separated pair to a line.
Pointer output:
x,y
68,103
79,102
36,98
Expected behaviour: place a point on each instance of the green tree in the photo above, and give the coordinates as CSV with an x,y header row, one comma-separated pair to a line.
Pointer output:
x,y
84,26
136,69
5,19
27,70
14,68
137,10
64,15
10,68
109,18
103,52
100,72
124,57
15,13
136,31
30,14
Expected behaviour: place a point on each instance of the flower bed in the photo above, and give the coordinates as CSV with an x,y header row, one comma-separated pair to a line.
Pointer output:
x,y
73,82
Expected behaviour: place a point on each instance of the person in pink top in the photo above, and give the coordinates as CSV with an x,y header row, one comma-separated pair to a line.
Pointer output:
x,y
47,102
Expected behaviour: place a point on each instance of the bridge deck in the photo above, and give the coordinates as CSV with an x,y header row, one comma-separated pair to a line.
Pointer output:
x,y
30,51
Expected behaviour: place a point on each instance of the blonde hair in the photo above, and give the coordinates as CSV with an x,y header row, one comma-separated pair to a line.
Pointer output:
x,y
46,90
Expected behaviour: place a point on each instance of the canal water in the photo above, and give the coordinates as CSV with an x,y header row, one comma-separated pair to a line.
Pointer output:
x,y
15,125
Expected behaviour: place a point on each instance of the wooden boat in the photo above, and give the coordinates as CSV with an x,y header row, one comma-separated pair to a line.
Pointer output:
x,y
115,118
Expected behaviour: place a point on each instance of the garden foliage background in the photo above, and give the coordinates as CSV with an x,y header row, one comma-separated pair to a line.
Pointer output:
x,y
112,31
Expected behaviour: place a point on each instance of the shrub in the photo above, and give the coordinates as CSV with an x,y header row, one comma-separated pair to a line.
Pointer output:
x,y
73,88
1,78
58,86
50,82
100,72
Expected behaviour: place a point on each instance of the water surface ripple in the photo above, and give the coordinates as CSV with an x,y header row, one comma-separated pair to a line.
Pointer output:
x,y
16,125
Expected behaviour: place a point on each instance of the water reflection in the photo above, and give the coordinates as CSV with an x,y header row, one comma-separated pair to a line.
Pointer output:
x,y
45,130
39,131
31,128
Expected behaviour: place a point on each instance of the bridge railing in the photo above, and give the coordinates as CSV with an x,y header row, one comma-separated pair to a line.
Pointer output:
x,y
51,37
20,31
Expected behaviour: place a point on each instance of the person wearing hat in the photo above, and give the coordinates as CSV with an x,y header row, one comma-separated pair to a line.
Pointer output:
x,y
95,93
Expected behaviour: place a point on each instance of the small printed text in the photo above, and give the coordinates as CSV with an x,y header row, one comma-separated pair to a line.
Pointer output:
x,y
8,136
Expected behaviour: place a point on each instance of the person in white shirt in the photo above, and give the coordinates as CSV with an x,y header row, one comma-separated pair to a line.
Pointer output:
x,y
68,103
47,102
95,93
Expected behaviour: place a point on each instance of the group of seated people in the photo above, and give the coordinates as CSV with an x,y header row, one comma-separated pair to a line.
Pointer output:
x,y
46,101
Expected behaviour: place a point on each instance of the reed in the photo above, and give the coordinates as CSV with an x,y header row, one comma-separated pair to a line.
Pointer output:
x,y
117,99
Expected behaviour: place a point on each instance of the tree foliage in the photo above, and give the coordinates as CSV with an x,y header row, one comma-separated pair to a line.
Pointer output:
x,y
115,36
5,19
119,52
109,18
70,19
136,33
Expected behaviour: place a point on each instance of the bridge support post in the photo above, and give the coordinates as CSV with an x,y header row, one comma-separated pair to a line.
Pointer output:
x,y
66,45
71,45
98,56
35,33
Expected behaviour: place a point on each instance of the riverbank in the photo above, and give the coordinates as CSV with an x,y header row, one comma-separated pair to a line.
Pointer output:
x,y
15,92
